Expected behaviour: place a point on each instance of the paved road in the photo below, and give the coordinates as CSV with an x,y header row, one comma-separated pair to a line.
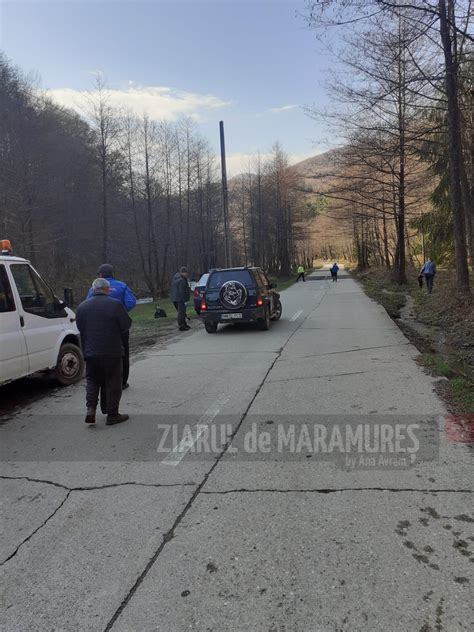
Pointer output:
x,y
103,528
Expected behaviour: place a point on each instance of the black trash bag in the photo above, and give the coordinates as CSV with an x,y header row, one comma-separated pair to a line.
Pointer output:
x,y
160,312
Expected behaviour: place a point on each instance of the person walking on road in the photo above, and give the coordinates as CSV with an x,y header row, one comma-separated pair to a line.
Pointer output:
x,y
179,295
334,271
300,274
121,292
428,270
103,322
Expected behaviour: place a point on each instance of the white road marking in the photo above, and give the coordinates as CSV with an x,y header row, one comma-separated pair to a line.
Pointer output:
x,y
296,316
179,452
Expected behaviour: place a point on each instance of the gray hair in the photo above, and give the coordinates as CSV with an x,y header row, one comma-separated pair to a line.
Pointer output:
x,y
99,285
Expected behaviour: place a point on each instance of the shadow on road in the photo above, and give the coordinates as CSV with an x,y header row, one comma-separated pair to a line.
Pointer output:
x,y
21,393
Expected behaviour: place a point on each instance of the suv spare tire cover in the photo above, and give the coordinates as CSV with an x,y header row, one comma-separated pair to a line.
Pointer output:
x,y
233,295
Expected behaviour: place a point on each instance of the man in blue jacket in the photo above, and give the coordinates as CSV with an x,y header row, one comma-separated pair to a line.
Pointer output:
x,y
428,270
121,292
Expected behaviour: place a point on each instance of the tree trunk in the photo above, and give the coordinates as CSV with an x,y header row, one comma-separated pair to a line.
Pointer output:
x,y
455,156
401,264
105,219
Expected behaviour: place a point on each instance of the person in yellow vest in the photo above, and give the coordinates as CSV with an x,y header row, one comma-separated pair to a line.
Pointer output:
x,y
300,274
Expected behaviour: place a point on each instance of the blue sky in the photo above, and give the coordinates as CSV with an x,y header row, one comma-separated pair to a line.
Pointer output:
x,y
253,64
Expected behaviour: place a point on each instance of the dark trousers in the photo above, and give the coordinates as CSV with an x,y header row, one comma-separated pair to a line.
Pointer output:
x,y
300,275
181,309
104,377
126,357
429,282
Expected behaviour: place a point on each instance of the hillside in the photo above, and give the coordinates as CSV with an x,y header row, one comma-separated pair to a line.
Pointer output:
x,y
330,236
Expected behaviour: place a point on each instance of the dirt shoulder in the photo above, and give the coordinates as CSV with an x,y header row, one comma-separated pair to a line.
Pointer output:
x,y
440,325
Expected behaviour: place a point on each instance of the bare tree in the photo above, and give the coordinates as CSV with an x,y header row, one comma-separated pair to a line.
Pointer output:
x,y
105,122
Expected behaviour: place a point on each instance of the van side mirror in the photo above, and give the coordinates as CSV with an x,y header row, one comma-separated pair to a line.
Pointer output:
x,y
59,305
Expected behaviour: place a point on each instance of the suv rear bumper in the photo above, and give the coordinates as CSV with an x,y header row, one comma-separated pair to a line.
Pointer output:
x,y
249,315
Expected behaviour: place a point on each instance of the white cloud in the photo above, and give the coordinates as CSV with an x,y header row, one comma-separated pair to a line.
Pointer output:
x,y
159,102
245,163
283,108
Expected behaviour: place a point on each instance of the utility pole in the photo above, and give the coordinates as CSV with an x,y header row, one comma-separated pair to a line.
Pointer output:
x,y
225,198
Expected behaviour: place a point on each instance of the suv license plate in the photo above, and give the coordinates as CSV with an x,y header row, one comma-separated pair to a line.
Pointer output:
x,y
231,316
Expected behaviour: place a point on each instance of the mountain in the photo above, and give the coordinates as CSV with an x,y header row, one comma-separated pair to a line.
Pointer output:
x,y
329,235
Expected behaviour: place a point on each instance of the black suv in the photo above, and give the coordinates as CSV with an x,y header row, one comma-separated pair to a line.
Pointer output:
x,y
236,295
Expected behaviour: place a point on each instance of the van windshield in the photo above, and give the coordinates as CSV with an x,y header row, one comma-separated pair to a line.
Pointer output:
x,y
36,297
7,304
220,277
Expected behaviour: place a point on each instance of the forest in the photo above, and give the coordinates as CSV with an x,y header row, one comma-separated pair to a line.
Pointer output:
x,y
143,195
403,109
146,195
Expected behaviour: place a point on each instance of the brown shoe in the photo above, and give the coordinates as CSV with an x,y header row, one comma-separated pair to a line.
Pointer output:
x,y
90,416
115,419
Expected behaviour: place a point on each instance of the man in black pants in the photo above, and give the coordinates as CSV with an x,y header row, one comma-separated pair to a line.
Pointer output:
x,y
180,294
103,324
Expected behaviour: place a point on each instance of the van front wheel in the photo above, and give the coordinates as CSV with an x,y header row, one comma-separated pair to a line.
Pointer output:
x,y
70,365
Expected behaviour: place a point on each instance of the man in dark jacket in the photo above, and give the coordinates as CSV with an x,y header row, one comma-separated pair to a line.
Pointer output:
x,y
102,322
180,294
121,292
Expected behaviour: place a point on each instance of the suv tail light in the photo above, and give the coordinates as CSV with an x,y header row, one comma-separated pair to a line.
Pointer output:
x,y
203,306
259,301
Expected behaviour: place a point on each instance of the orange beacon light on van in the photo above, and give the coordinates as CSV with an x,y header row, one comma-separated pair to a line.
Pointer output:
x,y
5,247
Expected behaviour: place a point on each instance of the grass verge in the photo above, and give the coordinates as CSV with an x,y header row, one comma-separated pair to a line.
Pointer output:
x,y
379,286
145,313
441,327
456,390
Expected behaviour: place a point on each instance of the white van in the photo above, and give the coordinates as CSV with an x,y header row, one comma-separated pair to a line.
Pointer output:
x,y
38,331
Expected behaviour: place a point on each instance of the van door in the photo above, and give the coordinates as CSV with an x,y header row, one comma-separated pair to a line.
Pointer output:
x,y
13,354
42,321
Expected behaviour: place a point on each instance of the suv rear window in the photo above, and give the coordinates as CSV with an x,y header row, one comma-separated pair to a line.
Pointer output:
x,y
220,277
203,280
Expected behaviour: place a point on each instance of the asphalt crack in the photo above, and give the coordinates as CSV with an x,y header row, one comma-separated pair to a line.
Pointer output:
x,y
321,355
200,354
337,490
88,488
44,523
317,377
69,491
